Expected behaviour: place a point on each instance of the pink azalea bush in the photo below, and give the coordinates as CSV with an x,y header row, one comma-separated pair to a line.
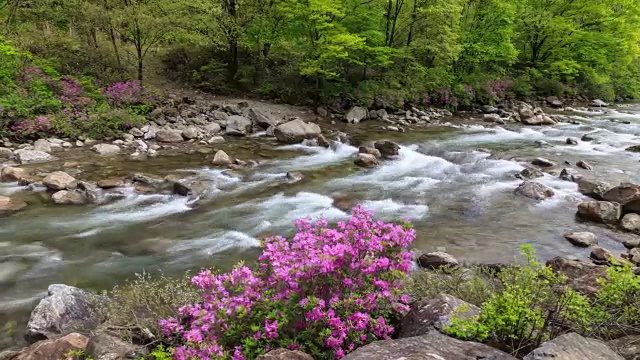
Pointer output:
x,y
326,291
128,93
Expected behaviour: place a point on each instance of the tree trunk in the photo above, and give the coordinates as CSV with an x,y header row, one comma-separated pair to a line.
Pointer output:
x,y
112,35
139,51
232,67
414,15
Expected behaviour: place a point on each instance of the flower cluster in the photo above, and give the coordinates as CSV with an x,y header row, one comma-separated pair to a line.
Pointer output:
x,y
497,89
39,125
443,97
128,93
326,291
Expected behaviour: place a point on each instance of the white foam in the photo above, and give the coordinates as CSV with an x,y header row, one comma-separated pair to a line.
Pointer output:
x,y
209,245
318,157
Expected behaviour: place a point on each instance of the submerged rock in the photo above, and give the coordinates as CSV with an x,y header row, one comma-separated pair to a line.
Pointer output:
x,y
572,141
534,190
529,173
366,160
581,239
600,211
584,165
573,347
436,313
633,148
294,176
68,197
9,205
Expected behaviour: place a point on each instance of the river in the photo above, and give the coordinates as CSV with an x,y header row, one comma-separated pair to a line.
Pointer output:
x,y
460,200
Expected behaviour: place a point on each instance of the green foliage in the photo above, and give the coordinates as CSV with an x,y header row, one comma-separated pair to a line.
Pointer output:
x,y
77,355
162,353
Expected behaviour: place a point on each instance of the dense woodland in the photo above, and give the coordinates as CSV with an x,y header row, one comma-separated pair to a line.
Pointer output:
x,y
451,52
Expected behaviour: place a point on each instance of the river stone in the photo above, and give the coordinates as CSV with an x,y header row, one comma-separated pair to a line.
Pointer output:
x,y
136,132
294,176
599,103
538,120
42,145
238,126
581,239
5,153
221,159
627,195
216,140
263,119
529,173
492,118
571,141
322,141
110,183
627,346
431,346
58,180
285,354
366,160
634,256
569,174
104,346
388,149
573,347
295,131
190,133
584,165
631,243
32,156
587,137
63,310
600,211
167,136
581,275
436,313
436,260
343,202
633,148
232,109
68,197
630,222
543,162
11,174
593,189
356,114
212,128
53,349
9,205
322,112
371,151
601,256
534,190
525,111
382,114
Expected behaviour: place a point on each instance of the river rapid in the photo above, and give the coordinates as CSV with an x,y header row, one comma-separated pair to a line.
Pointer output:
x,y
460,200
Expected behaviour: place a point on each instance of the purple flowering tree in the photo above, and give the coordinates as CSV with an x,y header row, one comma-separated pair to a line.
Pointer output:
x,y
326,291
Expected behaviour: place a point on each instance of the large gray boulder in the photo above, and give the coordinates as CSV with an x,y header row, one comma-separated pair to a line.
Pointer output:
x,y
600,211
106,149
295,131
627,195
627,346
64,310
168,136
356,114
534,190
238,125
262,118
581,275
58,180
388,149
69,197
432,346
436,313
42,145
573,347
32,156
104,346
9,205
592,188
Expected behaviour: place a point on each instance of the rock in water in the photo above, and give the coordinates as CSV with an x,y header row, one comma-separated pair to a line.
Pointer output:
x,y
295,131
356,114
435,313
538,120
5,153
568,174
264,119
581,239
58,180
42,145
106,149
529,173
238,126
584,165
581,275
534,190
543,162
221,159
594,189
11,174
436,260
32,156
599,103
627,195
600,211
630,222
9,205
601,256
190,133
371,151
294,176
63,310
572,141
432,346
388,149
168,136
573,347
68,197
366,160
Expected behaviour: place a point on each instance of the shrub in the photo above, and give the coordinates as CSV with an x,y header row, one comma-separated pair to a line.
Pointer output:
x,y
327,291
130,95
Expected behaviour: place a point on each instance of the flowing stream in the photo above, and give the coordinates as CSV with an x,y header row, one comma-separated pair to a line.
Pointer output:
x,y
461,200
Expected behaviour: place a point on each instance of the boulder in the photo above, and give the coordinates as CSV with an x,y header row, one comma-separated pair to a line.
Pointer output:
x,y
65,308
106,149
627,346
633,255
190,133
631,243
388,149
110,183
556,103
9,205
295,131
436,313
587,137
538,120
294,176
68,197
572,141
221,159
573,347
238,126
220,115
593,189
534,190
11,174
492,118
32,156
581,275
627,195
525,111
343,202
263,119
322,112
232,109
42,145
366,160
168,136
598,103
285,354
104,346
371,151
58,180
373,114
431,346
529,173
600,211
356,114
581,239
542,162
630,222
5,153
488,109
212,128
568,174
436,260
633,148
54,349
382,114
136,132
584,165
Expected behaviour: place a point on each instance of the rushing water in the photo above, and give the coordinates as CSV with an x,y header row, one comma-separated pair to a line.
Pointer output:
x,y
460,199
